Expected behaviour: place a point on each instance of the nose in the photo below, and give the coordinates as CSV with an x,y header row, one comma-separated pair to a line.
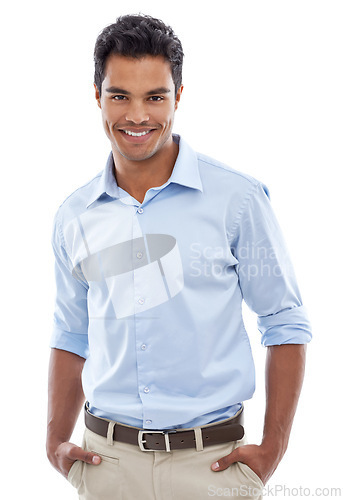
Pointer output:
x,y
136,113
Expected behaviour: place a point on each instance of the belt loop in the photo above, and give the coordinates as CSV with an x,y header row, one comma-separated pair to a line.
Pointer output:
x,y
110,432
198,439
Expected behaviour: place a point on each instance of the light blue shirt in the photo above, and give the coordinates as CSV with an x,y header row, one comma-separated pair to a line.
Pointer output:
x,y
150,293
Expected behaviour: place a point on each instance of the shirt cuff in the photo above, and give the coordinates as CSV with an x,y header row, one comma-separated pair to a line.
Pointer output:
x,y
290,326
76,343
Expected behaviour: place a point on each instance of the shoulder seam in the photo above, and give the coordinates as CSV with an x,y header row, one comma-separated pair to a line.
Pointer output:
x,y
81,187
227,168
240,211
59,226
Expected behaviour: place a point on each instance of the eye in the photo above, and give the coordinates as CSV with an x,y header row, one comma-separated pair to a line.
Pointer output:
x,y
156,98
118,97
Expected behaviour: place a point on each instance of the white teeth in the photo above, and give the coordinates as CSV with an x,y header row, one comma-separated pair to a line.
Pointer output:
x,y
138,134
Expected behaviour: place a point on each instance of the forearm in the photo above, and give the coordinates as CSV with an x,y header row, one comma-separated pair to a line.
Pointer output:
x,y
65,397
285,367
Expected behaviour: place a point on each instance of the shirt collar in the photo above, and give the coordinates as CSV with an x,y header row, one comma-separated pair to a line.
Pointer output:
x,y
106,184
185,173
186,168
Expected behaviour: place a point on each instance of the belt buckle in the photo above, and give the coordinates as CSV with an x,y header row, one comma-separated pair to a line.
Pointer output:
x,y
141,441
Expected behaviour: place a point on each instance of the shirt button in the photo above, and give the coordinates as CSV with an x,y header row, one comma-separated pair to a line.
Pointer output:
x,y
146,390
140,210
139,255
141,301
143,347
148,422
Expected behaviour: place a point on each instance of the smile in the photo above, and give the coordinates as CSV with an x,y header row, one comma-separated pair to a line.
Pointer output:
x,y
137,137
136,134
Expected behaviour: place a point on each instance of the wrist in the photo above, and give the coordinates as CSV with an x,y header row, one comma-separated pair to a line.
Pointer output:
x,y
274,447
52,443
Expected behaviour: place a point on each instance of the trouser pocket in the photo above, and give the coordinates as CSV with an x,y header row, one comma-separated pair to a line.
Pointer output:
x,y
102,481
75,473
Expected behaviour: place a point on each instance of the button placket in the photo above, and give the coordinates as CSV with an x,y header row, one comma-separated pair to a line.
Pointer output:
x,y
141,298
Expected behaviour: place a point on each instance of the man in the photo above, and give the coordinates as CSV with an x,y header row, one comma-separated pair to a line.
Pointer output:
x,y
153,258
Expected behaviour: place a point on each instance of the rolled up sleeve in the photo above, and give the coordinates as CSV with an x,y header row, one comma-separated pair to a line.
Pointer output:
x,y
266,275
70,328
290,326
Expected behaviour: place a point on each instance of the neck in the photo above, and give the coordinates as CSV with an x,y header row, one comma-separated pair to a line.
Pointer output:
x,y
137,177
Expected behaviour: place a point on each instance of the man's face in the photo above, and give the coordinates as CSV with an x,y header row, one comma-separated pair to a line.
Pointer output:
x,y
138,103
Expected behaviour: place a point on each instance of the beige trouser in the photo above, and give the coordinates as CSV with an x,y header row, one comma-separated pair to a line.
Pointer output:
x,y
127,473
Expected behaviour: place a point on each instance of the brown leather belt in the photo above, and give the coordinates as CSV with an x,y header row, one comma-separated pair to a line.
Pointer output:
x,y
171,439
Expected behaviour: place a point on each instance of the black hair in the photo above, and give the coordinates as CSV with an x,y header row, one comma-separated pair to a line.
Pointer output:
x,y
137,36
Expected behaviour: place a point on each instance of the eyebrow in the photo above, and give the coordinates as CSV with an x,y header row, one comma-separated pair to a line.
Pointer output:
x,y
117,90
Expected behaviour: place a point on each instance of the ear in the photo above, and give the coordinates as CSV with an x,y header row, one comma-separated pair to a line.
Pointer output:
x,y
178,97
97,96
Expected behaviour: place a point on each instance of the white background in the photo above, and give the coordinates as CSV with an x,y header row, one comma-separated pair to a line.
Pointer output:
x,y
263,93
